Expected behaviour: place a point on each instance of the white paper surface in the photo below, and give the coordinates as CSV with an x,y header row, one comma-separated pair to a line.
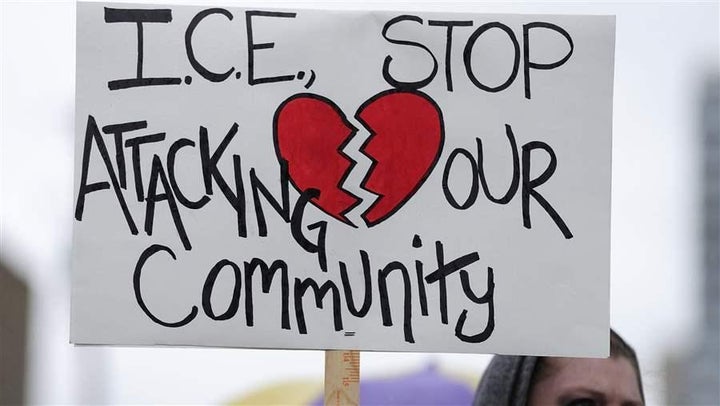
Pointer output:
x,y
378,125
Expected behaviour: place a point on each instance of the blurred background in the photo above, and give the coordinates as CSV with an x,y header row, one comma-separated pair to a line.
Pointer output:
x,y
665,276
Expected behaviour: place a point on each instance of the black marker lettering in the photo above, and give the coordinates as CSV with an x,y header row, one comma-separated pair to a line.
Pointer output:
x,y
488,298
448,45
267,276
544,66
467,56
211,172
117,130
297,233
386,64
367,298
210,284
134,144
199,68
150,251
442,285
172,153
209,162
472,196
422,294
237,200
93,133
529,185
139,17
444,270
153,197
283,210
512,189
319,292
407,298
252,80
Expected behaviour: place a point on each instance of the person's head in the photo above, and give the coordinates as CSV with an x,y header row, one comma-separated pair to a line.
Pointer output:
x,y
588,381
525,380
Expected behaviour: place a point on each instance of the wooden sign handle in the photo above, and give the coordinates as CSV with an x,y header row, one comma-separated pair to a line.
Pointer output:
x,y
342,378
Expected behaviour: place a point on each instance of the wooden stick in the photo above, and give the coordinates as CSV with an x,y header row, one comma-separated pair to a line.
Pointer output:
x,y
342,378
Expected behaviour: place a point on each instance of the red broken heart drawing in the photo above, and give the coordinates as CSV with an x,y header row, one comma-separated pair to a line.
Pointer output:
x,y
407,136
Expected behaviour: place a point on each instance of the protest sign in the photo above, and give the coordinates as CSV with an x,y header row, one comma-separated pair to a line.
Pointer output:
x,y
342,180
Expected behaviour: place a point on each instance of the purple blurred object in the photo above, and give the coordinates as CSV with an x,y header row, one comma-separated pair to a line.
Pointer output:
x,y
427,387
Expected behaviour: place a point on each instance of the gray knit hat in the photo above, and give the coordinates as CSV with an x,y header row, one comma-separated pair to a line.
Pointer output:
x,y
506,381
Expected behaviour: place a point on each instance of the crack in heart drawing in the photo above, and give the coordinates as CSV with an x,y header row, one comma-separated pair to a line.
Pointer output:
x,y
406,138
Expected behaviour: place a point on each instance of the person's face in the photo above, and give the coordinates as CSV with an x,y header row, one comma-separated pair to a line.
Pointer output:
x,y
586,382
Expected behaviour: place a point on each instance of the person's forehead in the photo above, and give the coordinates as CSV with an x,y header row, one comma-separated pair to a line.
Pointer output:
x,y
612,376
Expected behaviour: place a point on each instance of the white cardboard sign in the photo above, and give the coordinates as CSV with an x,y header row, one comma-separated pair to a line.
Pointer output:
x,y
322,179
